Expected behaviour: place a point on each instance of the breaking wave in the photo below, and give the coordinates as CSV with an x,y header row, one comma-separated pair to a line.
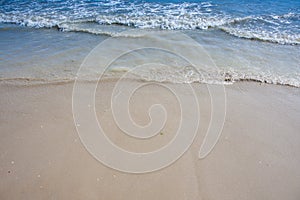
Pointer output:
x,y
100,16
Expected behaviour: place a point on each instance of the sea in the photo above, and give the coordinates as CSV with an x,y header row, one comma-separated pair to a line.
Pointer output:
x,y
247,40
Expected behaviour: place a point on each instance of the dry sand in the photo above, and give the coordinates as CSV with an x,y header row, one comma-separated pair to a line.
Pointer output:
x,y
257,156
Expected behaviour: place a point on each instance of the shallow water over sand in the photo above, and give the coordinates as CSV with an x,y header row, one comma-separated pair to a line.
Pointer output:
x,y
51,55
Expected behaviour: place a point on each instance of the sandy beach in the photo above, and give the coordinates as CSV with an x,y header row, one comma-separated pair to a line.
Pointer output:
x,y
146,100
256,157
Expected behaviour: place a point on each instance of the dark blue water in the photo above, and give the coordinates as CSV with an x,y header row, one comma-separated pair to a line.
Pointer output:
x,y
275,21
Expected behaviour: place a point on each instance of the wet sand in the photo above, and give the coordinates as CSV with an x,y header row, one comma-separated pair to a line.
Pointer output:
x,y
256,157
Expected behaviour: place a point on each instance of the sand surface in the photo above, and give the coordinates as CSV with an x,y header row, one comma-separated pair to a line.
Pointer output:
x,y
257,156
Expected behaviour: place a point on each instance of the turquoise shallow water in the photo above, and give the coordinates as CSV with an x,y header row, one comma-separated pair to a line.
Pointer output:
x,y
247,40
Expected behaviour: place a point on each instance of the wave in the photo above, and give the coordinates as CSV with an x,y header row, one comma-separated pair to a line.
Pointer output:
x,y
266,28
29,21
272,28
280,38
234,18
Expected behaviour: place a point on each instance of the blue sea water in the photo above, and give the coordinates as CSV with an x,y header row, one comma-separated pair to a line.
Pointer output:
x,y
269,20
248,39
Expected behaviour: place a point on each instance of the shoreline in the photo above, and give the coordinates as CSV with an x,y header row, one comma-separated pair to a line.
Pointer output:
x,y
40,82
